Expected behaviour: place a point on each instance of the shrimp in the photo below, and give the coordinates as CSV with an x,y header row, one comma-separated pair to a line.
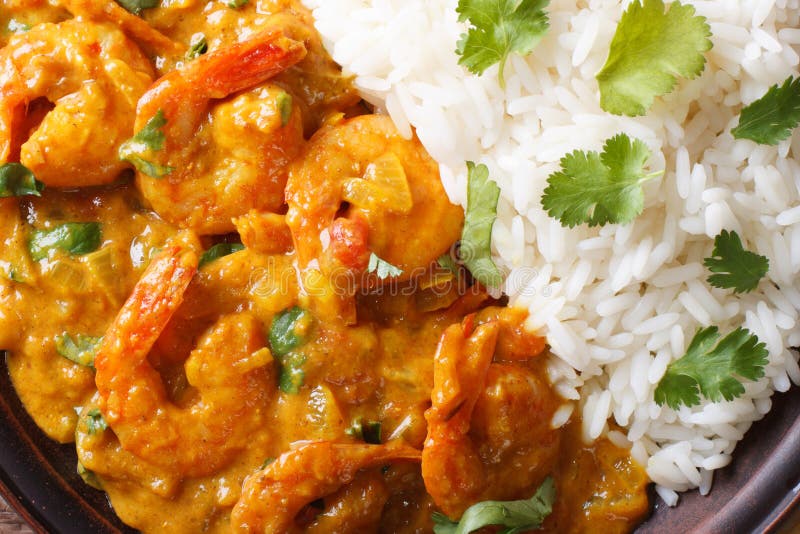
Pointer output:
x,y
92,76
137,28
218,165
228,369
489,434
274,496
365,189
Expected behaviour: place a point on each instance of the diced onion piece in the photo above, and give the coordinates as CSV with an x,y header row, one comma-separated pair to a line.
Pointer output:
x,y
102,266
384,185
67,276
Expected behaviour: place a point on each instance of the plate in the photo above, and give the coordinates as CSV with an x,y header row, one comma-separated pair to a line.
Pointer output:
x,y
758,492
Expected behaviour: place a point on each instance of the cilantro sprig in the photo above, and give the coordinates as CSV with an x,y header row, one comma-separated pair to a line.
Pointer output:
x,y
650,49
735,267
710,370
513,516
599,188
138,149
17,180
771,119
475,249
497,29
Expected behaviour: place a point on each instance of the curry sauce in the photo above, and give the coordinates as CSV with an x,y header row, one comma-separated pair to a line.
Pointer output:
x,y
220,277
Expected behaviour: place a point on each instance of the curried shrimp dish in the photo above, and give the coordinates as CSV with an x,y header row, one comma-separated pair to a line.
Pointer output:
x,y
239,292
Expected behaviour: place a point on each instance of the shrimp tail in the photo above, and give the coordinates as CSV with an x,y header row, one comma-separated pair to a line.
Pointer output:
x,y
221,73
257,59
140,321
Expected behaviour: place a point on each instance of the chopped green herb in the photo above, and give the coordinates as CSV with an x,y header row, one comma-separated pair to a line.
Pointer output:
x,y
771,119
513,516
289,330
382,268
146,141
95,422
16,26
199,46
292,376
73,238
447,261
89,477
266,462
17,180
284,101
368,431
736,268
649,50
13,274
712,371
136,6
497,29
476,236
599,188
80,350
236,4
218,251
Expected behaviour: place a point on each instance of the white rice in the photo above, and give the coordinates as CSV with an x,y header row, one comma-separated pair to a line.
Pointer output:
x,y
617,303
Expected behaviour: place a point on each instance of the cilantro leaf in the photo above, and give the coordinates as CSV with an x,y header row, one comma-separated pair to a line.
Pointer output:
x,y
498,28
81,349
17,180
236,4
73,238
599,188
89,477
136,6
289,330
17,26
368,431
146,141
95,422
515,516
475,250
284,102
448,262
291,376
199,46
771,119
649,50
218,251
712,372
382,268
737,268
